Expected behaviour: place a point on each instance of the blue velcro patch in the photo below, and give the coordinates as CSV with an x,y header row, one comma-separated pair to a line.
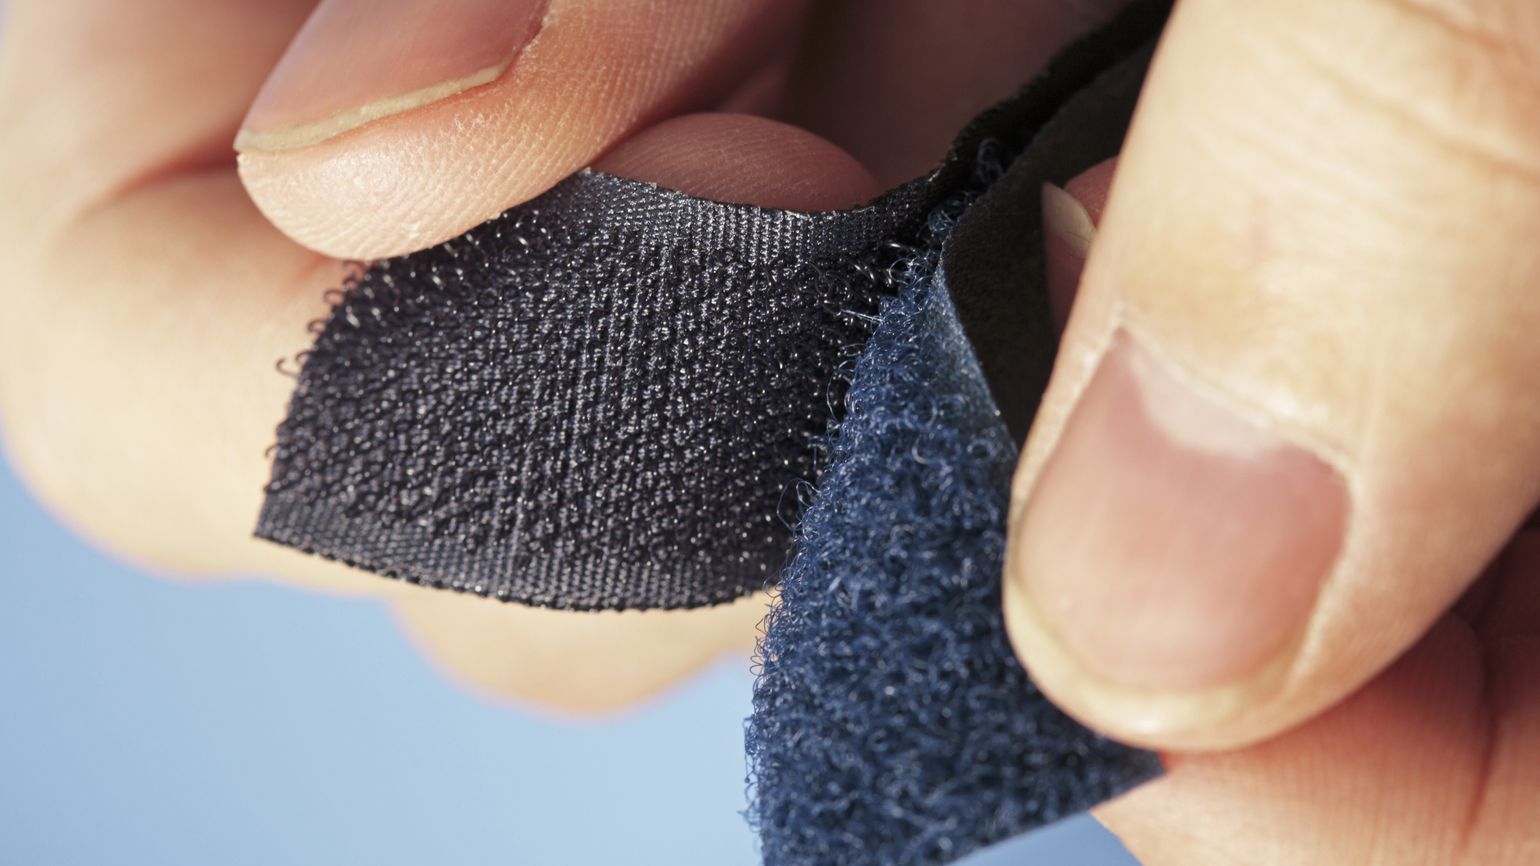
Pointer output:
x,y
892,723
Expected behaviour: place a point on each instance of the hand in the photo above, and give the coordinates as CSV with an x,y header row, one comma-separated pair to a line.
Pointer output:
x,y
147,298
1269,518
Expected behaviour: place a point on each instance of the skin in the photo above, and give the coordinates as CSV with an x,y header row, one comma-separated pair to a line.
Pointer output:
x,y
1320,271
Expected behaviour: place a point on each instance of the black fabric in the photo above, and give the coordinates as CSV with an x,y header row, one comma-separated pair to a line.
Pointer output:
x,y
994,258
597,400
610,397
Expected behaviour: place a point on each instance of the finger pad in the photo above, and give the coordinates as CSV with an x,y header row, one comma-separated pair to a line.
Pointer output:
x,y
744,159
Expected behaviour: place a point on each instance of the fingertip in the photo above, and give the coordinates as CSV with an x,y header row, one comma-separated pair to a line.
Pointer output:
x,y
744,159
1070,217
1198,720
356,61
370,172
405,185
1336,319
405,182
1093,186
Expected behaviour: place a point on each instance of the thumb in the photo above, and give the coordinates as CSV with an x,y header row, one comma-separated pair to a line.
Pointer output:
x,y
1297,406
388,127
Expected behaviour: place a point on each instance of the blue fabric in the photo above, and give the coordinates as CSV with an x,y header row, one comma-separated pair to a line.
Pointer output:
x,y
892,723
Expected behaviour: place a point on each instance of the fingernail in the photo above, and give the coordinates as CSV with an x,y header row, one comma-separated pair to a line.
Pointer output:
x,y
1172,546
1067,235
1070,217
356,61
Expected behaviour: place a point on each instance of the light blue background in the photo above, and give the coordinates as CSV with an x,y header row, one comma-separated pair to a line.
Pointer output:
x,y
150,722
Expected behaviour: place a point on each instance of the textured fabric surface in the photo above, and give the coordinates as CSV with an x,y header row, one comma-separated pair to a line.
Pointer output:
x,y
610,397
892,723
598,400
